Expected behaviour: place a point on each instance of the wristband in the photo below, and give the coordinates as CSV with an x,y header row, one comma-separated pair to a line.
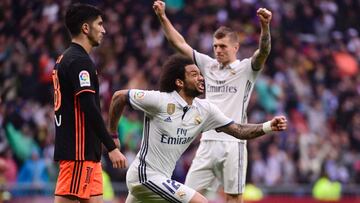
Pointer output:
x,y
266,127
114,135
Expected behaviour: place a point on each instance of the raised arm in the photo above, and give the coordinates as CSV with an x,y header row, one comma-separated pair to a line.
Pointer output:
x,y
173,36
261,54
251,131
117,105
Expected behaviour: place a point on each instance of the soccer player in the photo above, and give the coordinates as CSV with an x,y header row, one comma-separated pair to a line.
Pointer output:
x,y
80,129
173,118
229,83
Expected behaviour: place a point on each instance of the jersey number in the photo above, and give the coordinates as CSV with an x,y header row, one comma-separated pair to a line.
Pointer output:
x,y
171,185
57,93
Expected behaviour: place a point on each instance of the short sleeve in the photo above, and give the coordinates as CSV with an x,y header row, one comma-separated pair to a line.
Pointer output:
x,y
251,73
83,75
216,119
146,101
202,60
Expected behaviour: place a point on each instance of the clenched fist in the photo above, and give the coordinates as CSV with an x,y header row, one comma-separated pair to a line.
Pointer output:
x,y
264,16
159,7
278,123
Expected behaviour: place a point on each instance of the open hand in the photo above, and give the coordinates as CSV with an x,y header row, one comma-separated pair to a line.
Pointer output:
x,y
117,159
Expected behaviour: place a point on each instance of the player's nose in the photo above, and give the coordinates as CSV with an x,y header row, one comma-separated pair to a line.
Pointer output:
x,y
201,78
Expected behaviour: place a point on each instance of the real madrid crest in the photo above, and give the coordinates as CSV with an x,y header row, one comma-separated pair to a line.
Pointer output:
x,y
170,108
198,120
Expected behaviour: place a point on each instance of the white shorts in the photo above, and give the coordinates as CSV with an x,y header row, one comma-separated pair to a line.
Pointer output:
x,y
219,163
156,188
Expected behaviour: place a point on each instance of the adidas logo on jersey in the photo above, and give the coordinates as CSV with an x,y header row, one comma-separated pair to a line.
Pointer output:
x,y
168,119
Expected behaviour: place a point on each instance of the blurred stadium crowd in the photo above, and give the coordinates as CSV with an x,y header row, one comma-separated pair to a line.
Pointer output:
x,y
312,76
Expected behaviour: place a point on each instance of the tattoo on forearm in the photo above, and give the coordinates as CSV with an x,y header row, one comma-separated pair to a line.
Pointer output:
x,y
245,131
265,43
264,50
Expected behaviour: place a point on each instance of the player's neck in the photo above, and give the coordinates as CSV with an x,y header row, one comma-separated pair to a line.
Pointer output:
x,y
83,42
188,99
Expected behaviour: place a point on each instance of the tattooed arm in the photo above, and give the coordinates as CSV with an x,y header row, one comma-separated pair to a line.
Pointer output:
x,y
251,131
261,54
117,105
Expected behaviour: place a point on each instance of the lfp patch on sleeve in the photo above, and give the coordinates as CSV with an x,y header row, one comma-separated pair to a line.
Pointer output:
x,y
139,95
84,78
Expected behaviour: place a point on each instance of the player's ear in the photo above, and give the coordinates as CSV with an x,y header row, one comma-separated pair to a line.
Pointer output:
x,y
179,83
236,47
85,28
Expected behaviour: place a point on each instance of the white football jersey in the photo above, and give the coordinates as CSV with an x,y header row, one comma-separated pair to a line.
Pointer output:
x,y
170,126
228,88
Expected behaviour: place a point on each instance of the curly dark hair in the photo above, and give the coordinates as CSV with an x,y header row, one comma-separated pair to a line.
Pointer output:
x,y
174,68
78,14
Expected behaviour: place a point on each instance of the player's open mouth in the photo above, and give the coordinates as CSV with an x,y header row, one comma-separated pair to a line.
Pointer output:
x,y
201,86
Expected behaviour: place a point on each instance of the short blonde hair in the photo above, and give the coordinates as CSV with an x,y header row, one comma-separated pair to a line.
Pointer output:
x,y
223,31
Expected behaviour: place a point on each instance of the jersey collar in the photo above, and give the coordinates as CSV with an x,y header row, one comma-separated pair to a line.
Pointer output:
x,y
78,46
234,64
179,99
